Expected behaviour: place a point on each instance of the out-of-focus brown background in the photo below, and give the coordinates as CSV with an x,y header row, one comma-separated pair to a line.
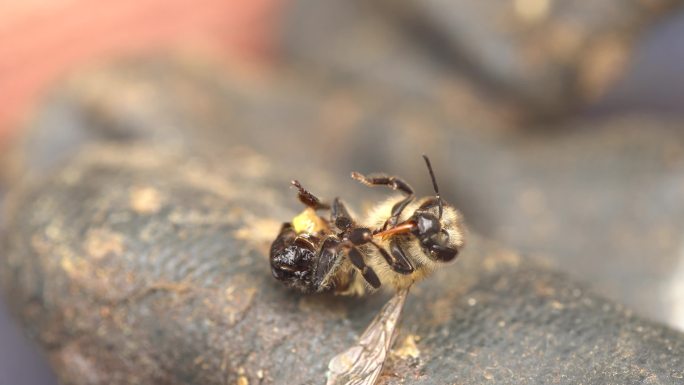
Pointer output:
x,y
43,41
569,142
40,41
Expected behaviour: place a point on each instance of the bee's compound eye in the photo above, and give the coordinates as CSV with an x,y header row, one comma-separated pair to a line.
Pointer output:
x,y
292,263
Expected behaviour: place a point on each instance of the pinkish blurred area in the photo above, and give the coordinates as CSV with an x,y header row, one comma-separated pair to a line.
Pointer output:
x,y
41,40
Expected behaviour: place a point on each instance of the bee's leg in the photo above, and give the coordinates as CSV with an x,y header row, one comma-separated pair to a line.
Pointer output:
x,y
326,258
397,259
367,272
392,182
395,184
397,209
399,262
308,198
286,230
340,215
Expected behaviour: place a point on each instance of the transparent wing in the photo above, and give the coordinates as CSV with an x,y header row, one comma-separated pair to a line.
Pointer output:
x,y
362,363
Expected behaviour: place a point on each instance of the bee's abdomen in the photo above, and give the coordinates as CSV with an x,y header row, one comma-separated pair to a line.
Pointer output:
x,y
293,266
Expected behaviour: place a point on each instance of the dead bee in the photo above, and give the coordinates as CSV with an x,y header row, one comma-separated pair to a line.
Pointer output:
x,y
400,242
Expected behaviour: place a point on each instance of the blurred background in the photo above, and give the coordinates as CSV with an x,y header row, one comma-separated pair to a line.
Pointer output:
x,y
555,126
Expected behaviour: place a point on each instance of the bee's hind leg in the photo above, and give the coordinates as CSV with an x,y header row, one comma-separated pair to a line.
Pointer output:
x,y
307,198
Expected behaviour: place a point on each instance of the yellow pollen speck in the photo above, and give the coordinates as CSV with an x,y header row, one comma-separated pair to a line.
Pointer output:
x,y
259,230
532,10
103,242
308,222
68,265
408,348
145,200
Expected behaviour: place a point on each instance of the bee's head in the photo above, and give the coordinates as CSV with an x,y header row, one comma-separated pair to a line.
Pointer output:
x,y
437,225
294,265
440,236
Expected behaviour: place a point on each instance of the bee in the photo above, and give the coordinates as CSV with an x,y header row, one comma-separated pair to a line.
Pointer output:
x,y
401,241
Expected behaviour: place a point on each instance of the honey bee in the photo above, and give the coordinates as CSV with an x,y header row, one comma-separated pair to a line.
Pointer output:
x,y
401,241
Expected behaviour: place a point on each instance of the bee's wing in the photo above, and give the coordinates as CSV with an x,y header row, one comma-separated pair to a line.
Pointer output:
x,y
362,363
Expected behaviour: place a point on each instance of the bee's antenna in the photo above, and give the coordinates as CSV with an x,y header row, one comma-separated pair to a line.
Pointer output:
x,y
434,184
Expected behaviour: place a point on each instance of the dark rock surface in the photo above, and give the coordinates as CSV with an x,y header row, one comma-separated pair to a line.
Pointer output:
x,y
136,252
610,185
